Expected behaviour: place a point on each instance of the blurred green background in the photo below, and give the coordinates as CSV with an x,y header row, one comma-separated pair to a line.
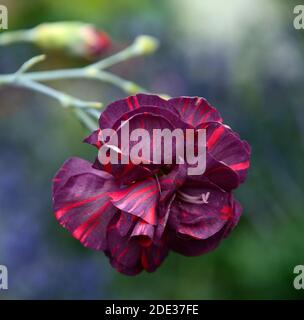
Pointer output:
x,y
247,59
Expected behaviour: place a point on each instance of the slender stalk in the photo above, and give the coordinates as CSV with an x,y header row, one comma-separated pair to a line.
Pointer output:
x,y
85,119
78,73
121,56
16,36
29,64
142,45
83,109
127,86
64,99
55,74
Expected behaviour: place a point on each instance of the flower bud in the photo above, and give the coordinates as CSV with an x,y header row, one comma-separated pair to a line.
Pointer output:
x,y
145,44
76,38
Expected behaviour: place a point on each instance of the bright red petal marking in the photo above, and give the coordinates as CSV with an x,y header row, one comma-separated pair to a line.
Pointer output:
x,y
185,106
144,260
130,104
148,195
136,103
205,107
118,195
206,115
124,252
59,213
150,216
90,229
167,181
133,102
79,231
226,212
216,134
240,166
127,168
108,167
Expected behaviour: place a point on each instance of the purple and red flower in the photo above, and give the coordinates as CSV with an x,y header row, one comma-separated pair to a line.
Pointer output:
x,y
136,214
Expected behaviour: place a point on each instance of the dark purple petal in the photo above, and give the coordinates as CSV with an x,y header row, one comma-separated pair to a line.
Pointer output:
x,y
125,223
139,199
192,217
220,174
117,109
124,253
81,204
192,247
162,118
93,139
153,256
164,211
131,255
144,230
225,146
124,173
235,216
195,110
172,181
148,118
71,167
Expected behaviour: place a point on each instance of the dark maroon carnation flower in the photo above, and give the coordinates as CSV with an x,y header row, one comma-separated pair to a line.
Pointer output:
x,y
137,213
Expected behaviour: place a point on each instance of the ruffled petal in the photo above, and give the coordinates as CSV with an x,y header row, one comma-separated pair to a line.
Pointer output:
x,y
195,110
172,181
143,230
81,204
189,246
149,119
124,173
139,199
225,146
125,223
196,210
130,255
219,174
93,139
118,108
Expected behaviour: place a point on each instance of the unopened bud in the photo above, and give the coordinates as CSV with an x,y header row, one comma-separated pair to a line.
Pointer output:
x,y
76,38
145,44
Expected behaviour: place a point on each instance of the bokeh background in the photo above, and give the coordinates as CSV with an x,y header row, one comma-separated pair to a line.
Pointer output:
x,y
247,59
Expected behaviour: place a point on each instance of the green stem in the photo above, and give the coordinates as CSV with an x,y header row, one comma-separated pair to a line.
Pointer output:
x,y
16,36
64,99
85,119
55,74
83,109
128,87
29,64
121,56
